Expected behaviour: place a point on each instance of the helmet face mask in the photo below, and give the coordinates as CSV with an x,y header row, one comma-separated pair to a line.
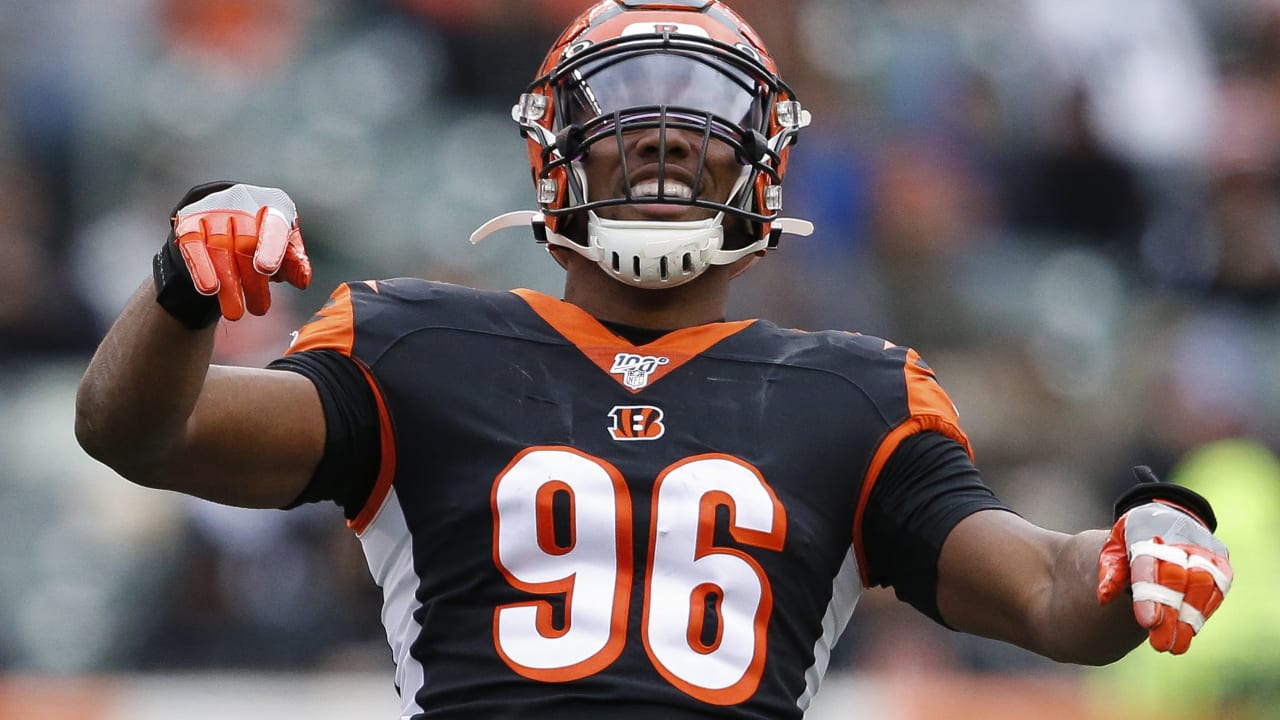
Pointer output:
x,y
693,69
608,101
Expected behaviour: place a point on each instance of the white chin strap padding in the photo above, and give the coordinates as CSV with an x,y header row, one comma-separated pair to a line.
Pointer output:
x,y
653,254
647,254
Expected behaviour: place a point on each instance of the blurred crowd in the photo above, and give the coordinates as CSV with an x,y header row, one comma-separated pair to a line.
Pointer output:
x,y
1071,209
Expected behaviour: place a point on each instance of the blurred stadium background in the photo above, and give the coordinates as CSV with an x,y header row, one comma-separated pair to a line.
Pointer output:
x,y
1072,209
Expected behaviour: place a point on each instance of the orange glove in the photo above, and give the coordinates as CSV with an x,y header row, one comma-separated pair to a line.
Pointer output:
x,y
1162,550
231,243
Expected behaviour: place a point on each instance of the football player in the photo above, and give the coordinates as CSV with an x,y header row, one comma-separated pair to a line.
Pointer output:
x,y
617,501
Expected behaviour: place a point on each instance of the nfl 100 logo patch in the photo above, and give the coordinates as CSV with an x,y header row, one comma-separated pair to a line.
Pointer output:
x,y
636,369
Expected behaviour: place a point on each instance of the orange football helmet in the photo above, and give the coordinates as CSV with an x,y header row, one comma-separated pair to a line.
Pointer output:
x,y
626,65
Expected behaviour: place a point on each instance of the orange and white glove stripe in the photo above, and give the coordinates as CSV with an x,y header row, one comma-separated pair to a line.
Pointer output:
x,y
1147,590
1176,571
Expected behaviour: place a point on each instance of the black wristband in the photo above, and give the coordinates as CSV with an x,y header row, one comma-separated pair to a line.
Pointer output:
x,y
1150,489
175,291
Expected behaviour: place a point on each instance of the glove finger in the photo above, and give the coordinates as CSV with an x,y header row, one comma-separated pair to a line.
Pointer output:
x,y
1202,598
254,284
1113,568
1190,620
196,257
1199,601
296,267
193,234
273,239
230,293
1182,636
1172,574
1162,633
1156,584
1158,571
1159,590
1216,565
1142,569
1146,610
1208,579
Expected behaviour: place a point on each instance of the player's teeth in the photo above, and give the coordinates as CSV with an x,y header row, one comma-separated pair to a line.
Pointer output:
x,y
651,188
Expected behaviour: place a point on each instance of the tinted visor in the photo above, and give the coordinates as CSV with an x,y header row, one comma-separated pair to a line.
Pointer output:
x,y
667,79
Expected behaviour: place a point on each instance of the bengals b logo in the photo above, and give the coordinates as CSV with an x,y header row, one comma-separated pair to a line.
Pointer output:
x,y
636,422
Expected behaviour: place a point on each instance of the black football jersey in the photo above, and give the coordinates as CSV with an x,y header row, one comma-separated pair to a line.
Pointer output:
x,y
565,524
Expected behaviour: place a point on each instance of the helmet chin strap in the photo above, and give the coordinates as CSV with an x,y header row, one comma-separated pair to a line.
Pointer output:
x,y
652,254
655,254
657,248
648,254
516,218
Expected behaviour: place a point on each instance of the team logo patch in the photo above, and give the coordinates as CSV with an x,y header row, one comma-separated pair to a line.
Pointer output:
x,y
636,369
636,422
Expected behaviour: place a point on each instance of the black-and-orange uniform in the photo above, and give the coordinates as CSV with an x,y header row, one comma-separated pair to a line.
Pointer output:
x,y
567,525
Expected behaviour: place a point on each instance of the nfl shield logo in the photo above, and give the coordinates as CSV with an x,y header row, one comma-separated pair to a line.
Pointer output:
x,y
636,369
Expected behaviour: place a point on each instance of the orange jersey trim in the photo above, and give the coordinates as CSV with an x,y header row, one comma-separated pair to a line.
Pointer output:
x,y
386,466
601,346
333,328
930,409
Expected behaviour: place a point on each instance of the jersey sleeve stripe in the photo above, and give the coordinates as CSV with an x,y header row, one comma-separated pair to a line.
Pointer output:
x,y
928,408
331,328
887,446
926,397
386,467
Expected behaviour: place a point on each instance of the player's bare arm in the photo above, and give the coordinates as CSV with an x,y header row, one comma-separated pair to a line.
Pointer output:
x,y
1036,592
1092,597
150,404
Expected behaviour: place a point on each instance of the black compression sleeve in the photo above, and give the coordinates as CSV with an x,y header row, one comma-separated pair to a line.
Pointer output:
x,y
352,453
925,489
